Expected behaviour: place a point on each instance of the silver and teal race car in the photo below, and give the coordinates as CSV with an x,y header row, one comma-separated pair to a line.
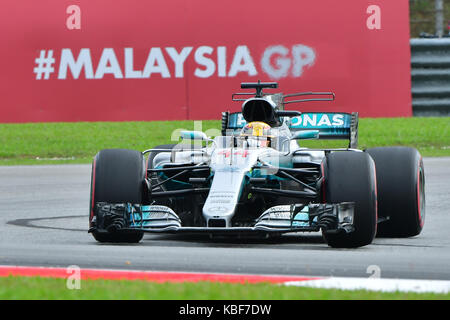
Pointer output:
x,y
255,178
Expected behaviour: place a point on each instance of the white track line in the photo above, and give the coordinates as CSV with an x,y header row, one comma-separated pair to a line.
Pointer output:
x,y
374,284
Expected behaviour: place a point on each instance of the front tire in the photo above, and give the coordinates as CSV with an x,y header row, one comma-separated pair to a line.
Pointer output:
x,y
118,176
350,177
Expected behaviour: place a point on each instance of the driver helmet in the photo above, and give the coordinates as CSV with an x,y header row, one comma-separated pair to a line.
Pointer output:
x,y
257,134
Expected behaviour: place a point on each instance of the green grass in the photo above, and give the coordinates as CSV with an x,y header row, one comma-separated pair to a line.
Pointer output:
x,y
78,142
43,143
31,288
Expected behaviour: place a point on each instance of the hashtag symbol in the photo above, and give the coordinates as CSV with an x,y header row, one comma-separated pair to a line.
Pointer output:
x,y
44,64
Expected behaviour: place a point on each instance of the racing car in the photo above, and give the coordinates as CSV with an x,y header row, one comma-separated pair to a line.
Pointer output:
x,y
255,178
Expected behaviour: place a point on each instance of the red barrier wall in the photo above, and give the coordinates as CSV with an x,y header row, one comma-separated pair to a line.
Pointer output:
x,y
182,59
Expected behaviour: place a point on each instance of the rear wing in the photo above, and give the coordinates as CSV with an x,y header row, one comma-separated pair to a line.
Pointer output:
x,y
331,125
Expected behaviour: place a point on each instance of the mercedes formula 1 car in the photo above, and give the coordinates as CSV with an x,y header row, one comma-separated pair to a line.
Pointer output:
x,y
255,178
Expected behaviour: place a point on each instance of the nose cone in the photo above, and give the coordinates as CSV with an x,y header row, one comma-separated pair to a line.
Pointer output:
x,y
223,196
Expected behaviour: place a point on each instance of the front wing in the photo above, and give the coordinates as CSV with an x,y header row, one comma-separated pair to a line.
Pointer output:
x,y
126,217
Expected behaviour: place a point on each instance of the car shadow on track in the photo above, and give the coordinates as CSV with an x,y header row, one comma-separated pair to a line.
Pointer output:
x,y
286,241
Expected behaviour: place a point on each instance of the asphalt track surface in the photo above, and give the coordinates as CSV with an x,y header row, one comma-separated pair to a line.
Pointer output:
x,y
44,221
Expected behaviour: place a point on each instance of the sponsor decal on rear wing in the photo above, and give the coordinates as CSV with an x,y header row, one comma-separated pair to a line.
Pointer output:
x,y
331,125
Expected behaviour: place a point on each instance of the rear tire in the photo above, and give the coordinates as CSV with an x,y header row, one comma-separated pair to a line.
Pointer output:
x,y
350,177
401,190
118,176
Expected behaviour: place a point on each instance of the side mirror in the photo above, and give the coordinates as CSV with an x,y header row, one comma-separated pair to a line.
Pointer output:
x,y
193,135
305,134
